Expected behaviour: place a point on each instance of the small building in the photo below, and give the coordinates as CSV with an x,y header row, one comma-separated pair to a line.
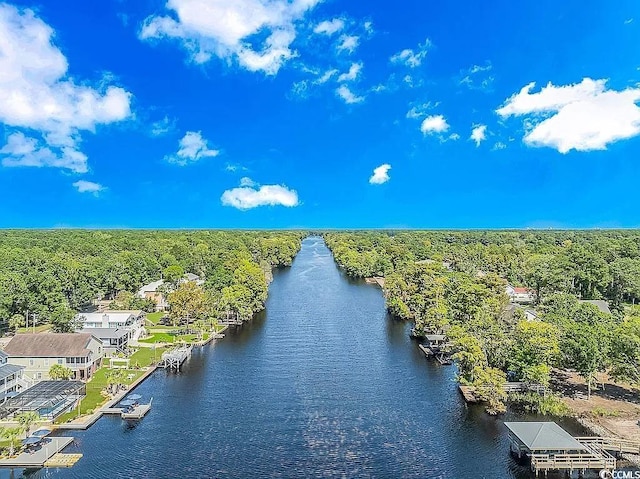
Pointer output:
x,y
114,340
530,315
10,378
601,304
520,295
132,321
80,352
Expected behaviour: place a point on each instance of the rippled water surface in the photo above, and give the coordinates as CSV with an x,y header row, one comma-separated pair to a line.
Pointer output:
x,y
323,384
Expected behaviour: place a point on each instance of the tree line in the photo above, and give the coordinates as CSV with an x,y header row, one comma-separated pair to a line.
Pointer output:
x,y
47,276
454,283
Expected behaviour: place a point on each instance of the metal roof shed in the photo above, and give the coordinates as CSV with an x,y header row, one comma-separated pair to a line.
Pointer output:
x,y
542,436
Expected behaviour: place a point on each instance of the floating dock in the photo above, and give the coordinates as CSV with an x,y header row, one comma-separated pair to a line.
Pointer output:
x,y
63,460
173,359
138,411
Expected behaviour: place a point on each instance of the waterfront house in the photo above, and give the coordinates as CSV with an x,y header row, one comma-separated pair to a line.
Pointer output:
x,y
154,292
520,295
114,340
36,353
131,321
10,378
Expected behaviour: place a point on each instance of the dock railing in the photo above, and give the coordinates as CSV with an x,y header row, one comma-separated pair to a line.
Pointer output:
x,y
612,444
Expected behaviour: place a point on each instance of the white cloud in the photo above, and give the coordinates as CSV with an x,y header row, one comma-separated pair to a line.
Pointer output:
x,y
478,134
246,181
162,127
454,136
380,174
329,27
326,76
477,77
499,146
38,99
226,28
193,147
348,96
352,74
88,187
348,43
412,58
584,116
419,111
434,124
251,195
368,27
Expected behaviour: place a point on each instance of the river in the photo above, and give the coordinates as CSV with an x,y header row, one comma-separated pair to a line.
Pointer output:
x,y
323,384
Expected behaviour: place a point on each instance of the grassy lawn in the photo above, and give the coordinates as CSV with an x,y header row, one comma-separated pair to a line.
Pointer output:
x,y
162,337
38,329
94,398
155,317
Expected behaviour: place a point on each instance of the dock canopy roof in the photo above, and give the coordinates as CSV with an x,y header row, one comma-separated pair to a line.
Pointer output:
x,y
543,436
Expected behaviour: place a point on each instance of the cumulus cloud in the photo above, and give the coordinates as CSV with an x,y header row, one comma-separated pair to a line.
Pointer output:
x,y
348,43
352,74
329,27
227,28
380,174
251,195
412,58
42,107
584,116
88,187
192,147
434,124
478,134
344,92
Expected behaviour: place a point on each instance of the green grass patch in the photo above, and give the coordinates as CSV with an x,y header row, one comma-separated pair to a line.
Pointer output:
x,y
155,317
163,337
38,329
143,357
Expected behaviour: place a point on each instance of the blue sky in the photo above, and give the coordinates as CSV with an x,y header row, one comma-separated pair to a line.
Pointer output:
x,y
309,113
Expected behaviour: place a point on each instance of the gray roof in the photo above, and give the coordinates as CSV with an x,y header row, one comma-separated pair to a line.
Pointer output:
x,y
544,436
598,303
7,370
106,333
3,355
435,337
48,345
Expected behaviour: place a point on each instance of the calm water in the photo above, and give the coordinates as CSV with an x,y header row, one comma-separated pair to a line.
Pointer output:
x,y
322,385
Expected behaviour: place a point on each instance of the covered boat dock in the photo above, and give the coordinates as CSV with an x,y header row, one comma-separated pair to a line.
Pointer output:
x,y
551,448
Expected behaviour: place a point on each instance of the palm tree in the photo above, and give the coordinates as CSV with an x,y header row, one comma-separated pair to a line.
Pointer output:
x,y
12,434
28,419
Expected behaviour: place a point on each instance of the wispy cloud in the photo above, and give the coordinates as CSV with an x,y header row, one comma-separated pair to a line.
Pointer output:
x,y
348,43
349,97
477,77
329,27
352,74
84,186
412,58
162,127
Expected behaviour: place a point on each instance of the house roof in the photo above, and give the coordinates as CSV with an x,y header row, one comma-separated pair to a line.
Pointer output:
x,y
151,287
106,333
521,290
3,355
7,370
598,303
112,316
48,345
544,436
435,337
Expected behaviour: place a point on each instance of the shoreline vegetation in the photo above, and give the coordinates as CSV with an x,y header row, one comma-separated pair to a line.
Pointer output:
x,y
454,283
47,277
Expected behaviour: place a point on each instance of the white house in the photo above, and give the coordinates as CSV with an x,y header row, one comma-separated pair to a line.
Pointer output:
x,y
520,295
132,321
114,340
10,378
36,353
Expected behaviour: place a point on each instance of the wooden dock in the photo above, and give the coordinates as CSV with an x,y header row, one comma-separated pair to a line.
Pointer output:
x,y
63,460
468,394
138,411
173,359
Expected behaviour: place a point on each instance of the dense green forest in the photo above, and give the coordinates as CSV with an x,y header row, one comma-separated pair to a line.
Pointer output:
x,y
454,283
53,274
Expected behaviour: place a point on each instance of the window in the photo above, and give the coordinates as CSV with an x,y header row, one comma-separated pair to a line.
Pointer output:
x,y
46,361
60,361
38,375
30,362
